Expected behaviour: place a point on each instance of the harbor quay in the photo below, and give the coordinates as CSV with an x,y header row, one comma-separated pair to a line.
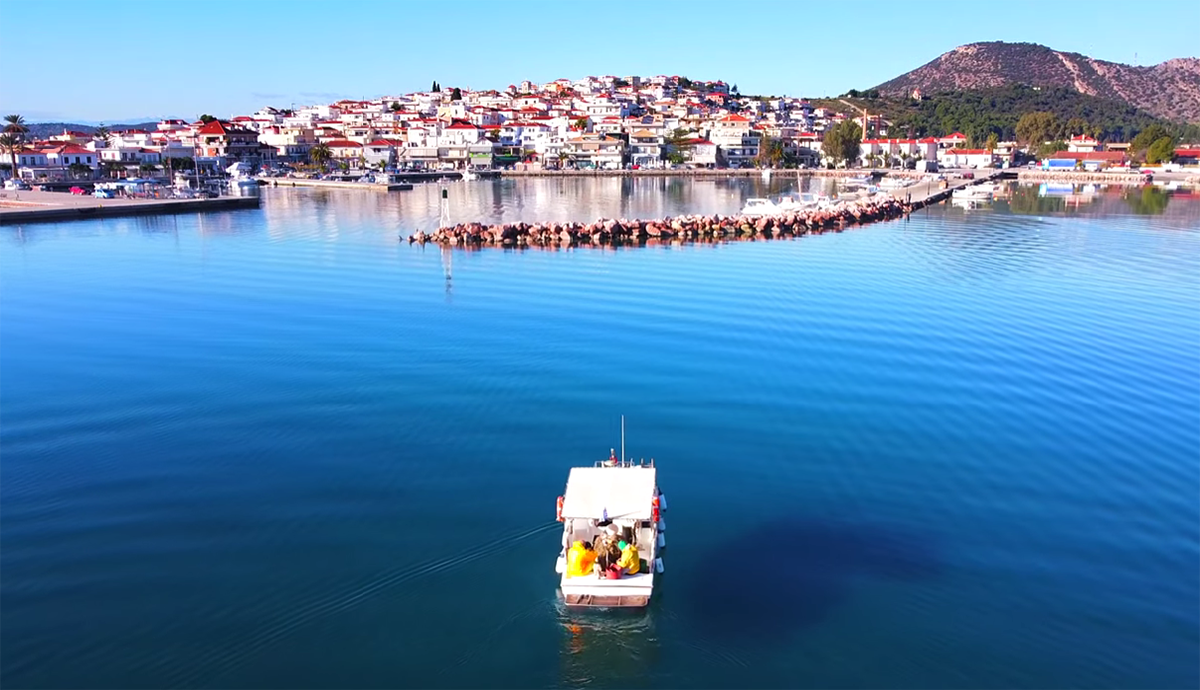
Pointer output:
x,y
50,207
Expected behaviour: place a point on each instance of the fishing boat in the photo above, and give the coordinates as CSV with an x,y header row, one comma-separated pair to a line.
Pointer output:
x,y
614,499
469,175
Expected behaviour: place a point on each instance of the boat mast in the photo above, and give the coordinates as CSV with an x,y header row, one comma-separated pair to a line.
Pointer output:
x,y
622,439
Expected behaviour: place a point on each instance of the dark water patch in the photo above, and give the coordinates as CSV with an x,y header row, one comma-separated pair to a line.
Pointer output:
x,y
790,574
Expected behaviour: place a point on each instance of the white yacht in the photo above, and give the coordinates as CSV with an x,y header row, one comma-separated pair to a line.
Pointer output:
x,y
760,207
239,175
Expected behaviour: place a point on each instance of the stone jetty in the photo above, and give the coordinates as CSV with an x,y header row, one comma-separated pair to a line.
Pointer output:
x,y
683,228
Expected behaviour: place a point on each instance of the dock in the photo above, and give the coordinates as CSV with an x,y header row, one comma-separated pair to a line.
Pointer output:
x,y
17,208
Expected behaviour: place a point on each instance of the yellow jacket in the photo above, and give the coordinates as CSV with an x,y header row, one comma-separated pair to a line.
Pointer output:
x,y
579,560
629,559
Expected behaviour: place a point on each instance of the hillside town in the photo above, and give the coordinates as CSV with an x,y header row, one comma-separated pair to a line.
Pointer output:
x,y
594,123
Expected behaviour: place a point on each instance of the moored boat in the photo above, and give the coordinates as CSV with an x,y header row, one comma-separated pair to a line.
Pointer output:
x,y
759,207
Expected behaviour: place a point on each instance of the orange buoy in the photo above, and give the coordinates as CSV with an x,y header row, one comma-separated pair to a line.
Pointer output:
x,y
654,508
558,514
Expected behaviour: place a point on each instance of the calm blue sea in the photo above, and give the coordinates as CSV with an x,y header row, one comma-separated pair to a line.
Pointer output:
x,y
284,449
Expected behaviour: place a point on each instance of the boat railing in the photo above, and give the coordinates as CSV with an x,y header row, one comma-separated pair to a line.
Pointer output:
x,y
643,462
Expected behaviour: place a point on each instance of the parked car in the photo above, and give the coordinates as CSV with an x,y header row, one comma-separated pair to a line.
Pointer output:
x,y
17,185
968,175
77,191
104,194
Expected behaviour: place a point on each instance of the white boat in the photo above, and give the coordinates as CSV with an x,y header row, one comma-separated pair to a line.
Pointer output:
x,y
469,175
619,500
239,175
857,181
766,174
895,183
759,207
975,191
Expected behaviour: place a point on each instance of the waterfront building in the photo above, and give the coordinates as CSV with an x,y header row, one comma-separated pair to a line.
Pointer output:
x,y
645,149
224,141
593,151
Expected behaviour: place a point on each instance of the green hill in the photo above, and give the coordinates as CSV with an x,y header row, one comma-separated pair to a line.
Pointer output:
x,y
978,113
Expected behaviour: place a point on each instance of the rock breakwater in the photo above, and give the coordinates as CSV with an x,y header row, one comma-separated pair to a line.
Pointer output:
x,y
683,228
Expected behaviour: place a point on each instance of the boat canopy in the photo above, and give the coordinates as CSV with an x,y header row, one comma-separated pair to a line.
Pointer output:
x,y
621,492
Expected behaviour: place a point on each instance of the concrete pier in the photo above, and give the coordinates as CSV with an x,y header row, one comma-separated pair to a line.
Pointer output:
x,y
18,208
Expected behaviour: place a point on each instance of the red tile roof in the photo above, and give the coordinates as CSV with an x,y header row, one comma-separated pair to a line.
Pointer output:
x,y
968,152
343,144
213,127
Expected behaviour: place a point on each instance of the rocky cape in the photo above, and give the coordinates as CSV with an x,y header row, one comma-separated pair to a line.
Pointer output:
x,y
1170,90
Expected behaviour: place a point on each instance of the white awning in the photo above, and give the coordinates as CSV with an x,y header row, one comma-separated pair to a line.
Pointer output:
x,y
622,492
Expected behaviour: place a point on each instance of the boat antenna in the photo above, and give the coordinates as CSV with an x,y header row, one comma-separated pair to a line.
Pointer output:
x,y
622,439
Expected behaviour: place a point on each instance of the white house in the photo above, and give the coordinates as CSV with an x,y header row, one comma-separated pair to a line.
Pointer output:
x,y
701,153
595,151
1082,144
645,149
965,158
382,151
956,139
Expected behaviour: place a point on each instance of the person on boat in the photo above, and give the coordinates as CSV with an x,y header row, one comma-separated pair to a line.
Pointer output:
x,y
580,559
630,561
608,551
612,458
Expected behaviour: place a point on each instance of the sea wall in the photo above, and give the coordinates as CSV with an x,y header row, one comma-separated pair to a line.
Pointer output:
x,y
1079,177
683,228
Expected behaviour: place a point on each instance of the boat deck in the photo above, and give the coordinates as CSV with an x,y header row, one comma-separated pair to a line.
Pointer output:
x,y
631,590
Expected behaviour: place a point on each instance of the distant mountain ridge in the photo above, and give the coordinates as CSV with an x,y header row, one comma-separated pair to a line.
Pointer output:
x,y
42,130
1169,89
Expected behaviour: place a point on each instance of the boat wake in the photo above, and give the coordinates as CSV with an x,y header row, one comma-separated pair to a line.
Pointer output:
x,y
211,667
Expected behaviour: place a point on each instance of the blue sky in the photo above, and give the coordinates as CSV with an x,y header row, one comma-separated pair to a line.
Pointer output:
x,y
227,57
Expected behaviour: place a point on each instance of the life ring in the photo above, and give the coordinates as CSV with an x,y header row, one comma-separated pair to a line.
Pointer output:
x,y
558,513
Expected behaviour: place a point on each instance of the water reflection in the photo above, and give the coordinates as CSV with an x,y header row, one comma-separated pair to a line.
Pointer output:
x,y
1148,200
619,646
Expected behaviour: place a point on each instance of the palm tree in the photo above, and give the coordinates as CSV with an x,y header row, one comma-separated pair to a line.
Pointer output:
x,y
14,131
11,143
111,169
80,170
102,133
320,154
